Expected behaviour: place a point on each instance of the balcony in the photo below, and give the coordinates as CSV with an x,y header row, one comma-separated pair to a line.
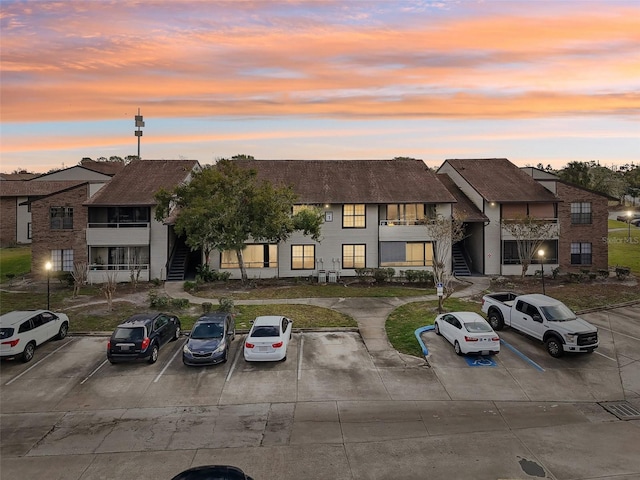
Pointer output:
x,y
402,230
116,234
554,231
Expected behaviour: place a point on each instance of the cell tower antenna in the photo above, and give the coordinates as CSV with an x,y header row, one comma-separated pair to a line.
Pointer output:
x,y
138,132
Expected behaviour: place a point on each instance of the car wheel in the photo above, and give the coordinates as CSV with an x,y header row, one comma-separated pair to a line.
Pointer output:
x,y
112,362
284,359
176,335
436,327
29,350
226,355
495,320
554,347
233,334
456,347
154,354
64,329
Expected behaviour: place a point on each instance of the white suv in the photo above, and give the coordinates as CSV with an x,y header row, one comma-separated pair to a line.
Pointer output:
x,y
22,331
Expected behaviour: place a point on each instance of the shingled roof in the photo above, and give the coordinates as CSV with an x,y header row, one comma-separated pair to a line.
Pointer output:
x,y
354,181
27,188
499,180
137,183
465,209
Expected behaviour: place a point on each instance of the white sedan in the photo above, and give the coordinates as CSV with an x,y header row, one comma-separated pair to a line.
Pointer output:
x,y
268,339
468,332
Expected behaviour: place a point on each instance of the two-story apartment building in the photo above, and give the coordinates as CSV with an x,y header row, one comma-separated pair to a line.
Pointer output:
x,y
502,192
17,192
374,216
121,233
583,216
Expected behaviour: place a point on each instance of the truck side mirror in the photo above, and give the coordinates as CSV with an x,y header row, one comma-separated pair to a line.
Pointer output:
x,y
537,318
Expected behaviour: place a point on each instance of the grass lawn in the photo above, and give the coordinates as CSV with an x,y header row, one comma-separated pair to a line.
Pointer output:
x,y
404,320
624,249
14,262
335,290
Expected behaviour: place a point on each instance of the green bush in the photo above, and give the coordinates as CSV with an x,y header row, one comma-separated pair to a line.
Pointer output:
x,y
226,304
207,307
207,275
363,273
419,276
157,301
604,273
382,275
190,286
555,272
180,303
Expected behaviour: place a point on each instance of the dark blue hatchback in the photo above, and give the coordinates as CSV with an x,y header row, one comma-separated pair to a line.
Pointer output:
x,y
210,339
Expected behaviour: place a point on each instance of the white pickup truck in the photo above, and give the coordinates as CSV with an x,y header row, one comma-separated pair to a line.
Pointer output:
x,y
543,318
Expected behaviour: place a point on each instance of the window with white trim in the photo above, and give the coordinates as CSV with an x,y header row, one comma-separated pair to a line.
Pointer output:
x,y
62,260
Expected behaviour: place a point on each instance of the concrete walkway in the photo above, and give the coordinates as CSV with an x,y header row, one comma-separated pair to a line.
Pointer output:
x,y
370,313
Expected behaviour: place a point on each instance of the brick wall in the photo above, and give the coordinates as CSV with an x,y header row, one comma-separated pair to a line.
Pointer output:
x,y
595,233
44,239
8,221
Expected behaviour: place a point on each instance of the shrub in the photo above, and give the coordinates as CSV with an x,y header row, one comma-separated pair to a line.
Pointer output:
x,y
156,282
381,275
157,301
206,274
65,278
180,303
622,272
604,273
555,272
190,286
226,304
207,307
363,273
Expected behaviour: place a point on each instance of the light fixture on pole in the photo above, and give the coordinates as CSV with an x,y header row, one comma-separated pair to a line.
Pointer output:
x,y
629,214
47,267
541,255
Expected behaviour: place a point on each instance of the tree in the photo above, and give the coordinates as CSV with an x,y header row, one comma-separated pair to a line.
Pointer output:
x,y
444,232
224,206
576,172
109,288
529,233
79,275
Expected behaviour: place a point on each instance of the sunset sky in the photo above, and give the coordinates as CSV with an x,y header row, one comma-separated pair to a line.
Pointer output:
x,y
533,81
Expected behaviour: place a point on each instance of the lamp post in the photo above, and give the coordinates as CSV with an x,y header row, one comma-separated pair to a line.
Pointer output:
x,y
629,214
541,255
47,267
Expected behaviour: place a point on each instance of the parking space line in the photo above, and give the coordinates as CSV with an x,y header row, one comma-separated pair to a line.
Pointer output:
x,y
93,373
619,333
169,362
522,355
605,356
235,360
300,357
36,364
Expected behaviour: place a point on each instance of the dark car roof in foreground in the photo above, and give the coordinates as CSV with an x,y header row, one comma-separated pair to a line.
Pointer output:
x,y
139,319
217,316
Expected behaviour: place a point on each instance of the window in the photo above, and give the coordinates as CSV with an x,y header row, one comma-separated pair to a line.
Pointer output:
x,y
406,254
303,257
61,218
62,260
353,216
125,258
254,256
408,213
353,256
510,252
581,212
580,254
29,231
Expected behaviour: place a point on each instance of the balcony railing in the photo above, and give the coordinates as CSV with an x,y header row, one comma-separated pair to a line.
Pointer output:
x,y
116,266
391,223
118,225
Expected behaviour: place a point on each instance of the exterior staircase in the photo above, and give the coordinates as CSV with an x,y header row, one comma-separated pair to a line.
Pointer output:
x,y
178,264
460,266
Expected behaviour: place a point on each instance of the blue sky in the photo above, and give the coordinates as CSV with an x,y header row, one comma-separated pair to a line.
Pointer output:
x,y
320,80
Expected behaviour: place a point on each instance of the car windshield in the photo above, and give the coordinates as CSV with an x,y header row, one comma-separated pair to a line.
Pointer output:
x,y
477,327
207,330
558,313
265,331
131,334
6,332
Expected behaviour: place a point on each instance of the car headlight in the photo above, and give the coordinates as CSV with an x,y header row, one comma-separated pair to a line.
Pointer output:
x,y
186,349
570,337
219,348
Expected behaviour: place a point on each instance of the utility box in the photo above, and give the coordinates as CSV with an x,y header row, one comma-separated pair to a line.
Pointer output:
x,y
322,276
333,277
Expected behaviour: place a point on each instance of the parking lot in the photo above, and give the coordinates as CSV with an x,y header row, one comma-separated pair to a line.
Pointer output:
x,y
331,410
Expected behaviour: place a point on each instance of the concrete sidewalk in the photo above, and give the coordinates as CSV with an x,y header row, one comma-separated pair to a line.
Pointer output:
x,y
370,312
